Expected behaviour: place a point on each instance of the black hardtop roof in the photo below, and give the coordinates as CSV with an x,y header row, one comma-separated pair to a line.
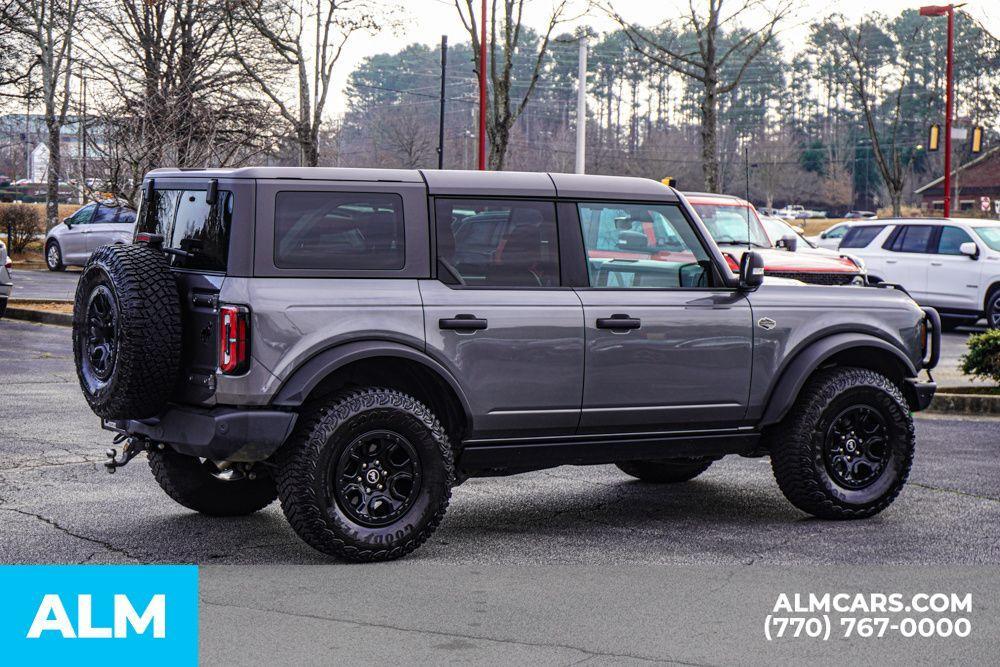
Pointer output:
x,y
454,182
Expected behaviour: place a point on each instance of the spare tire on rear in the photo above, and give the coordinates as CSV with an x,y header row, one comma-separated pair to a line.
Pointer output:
x,y
127,332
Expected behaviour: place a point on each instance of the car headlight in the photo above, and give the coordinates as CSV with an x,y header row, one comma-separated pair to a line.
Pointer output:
x,y
857,261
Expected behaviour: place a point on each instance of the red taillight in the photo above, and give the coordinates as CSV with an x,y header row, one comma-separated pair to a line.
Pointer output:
x,y
234,339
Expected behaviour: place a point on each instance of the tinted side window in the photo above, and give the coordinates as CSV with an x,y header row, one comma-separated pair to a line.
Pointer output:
x,y
951,239
859,237
338,230
836,232
84,215
126,216
496,243
913,238
104,214
642,246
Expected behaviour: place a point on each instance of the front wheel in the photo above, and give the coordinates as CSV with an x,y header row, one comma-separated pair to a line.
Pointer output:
x,y
845,449
993,309
53,257
367,475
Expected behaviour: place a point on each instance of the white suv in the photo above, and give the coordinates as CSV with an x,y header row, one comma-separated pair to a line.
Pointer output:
x,y
952,264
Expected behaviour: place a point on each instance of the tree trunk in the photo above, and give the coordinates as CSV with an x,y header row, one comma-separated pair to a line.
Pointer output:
x,y
709,139
896,195
308,146
53,173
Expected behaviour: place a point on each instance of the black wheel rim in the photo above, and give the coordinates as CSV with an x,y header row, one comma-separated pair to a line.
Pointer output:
x,y
857,447
102,335
377,478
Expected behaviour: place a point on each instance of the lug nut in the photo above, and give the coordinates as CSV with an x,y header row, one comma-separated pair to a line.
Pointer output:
x,y
379,487
364,465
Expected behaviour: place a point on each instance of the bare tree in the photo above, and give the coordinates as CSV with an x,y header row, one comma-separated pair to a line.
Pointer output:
x,y
180,96
699,47
292,43
408,135
50,28
507,40
875,63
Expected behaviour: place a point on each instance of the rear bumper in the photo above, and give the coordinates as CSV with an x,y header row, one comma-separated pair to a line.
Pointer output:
x,y
220,434
919,394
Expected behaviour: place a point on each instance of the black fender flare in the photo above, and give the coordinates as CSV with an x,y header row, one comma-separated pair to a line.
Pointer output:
x,y
784,392
305,378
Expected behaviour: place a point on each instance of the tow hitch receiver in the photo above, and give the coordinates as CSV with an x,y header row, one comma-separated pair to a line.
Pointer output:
x,y
131,446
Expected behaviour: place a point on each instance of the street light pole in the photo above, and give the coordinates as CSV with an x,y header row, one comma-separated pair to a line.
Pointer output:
x,y
482,88
949,11
581,108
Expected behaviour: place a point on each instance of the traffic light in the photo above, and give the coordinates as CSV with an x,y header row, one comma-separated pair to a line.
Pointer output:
x,y
977,139
934,137
669,181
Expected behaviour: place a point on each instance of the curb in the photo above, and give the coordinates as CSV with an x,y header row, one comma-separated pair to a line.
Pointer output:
x,y
965,404
42,316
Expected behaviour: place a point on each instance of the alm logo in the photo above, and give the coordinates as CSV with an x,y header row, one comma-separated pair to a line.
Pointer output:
x,y
52,617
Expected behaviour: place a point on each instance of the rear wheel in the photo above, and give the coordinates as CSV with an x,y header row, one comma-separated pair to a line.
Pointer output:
x,y
845,449
367,475
53,257
665,471
200,485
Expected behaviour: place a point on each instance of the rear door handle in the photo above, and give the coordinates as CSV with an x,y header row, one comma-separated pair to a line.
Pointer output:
x,y
462,322
619,321
937,264
891,261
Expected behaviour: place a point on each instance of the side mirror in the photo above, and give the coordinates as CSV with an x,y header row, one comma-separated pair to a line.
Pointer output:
x,y
68,222
789,243
969,249
751,270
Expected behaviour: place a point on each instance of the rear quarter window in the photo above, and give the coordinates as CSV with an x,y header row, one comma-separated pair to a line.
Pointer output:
x,y
860,237
338,230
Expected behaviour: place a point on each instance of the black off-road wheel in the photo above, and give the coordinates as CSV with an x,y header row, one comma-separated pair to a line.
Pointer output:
x,y
845,449
665,471
367,475
53,257
199,485
127,332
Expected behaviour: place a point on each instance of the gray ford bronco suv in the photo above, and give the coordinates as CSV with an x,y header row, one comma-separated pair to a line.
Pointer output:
x,y
356,342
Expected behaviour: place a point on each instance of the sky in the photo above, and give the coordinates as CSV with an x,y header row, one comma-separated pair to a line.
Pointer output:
x,y
426,20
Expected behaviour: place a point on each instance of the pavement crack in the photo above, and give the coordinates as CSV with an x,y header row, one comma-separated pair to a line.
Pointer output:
x,y
451,635
956,492
55,524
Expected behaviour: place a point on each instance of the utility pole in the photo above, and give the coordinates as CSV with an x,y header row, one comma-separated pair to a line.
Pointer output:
x,y
482,88
581,109
949,11
444,73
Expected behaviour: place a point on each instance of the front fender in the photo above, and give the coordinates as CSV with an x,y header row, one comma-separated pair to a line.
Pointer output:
x,y
794,376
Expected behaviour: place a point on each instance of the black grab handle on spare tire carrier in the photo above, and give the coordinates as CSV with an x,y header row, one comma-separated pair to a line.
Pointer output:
x,y
127,332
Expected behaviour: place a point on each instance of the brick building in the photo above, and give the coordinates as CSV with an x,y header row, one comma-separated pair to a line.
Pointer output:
x,y
978,188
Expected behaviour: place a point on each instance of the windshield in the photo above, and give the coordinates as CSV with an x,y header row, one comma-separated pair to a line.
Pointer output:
x,y
779,229
728,224
990,236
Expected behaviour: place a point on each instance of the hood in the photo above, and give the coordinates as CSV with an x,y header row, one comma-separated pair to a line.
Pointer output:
x,y
801,262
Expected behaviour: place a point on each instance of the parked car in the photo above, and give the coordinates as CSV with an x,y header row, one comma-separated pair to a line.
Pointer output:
x,y
951,264
861,215
356,342
6,280
71,242
830,237
730,220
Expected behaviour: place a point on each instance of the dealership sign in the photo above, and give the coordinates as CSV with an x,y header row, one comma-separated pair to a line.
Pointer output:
x,y
80,614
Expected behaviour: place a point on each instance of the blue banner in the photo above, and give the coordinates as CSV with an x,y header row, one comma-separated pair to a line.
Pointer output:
x,y
99,614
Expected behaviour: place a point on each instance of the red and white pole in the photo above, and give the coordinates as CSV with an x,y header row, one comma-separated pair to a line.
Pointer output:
x,y
482,89
941,10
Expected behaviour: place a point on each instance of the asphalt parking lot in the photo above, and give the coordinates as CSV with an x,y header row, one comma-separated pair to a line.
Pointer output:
x,y
511,552
45,284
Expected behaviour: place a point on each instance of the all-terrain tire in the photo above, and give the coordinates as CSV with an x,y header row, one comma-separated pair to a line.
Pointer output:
x,y
665,471
800,446
323,509
53,257
198,486
993,309
127,359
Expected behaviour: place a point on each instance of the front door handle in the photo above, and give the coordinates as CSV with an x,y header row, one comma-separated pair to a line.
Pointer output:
x,y
619,321
462,322
937,264
891,261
